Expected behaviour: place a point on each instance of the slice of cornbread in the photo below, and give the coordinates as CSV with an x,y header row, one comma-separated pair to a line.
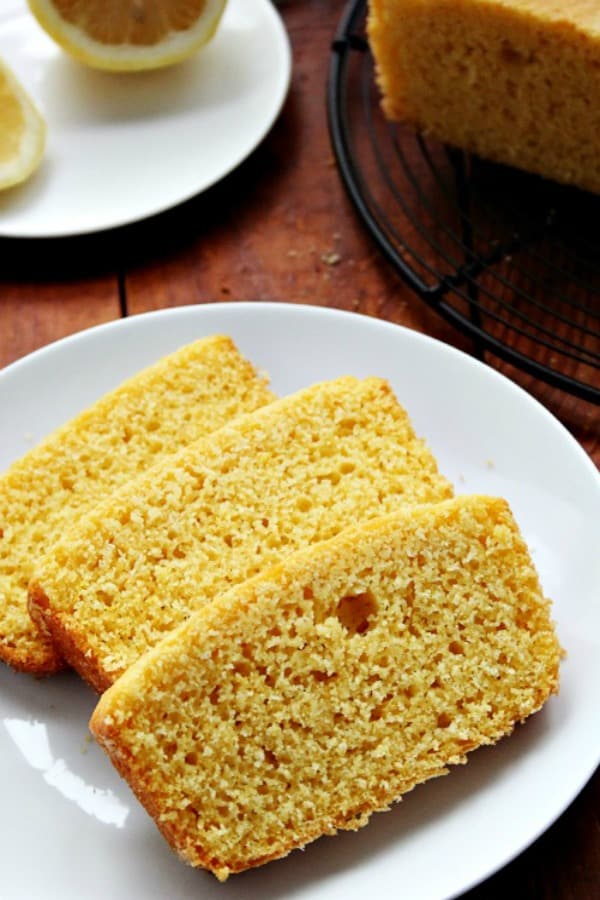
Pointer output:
x,y
182,397
221,510
515,81
318,692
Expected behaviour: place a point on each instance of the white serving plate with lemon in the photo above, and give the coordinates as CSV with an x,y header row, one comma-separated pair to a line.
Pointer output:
x,y
122,146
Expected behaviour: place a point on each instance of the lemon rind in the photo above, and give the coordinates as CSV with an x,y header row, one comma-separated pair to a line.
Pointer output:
x,y
33,142
127,57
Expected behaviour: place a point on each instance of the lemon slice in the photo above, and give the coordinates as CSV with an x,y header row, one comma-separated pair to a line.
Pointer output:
x,y
22,131
129,35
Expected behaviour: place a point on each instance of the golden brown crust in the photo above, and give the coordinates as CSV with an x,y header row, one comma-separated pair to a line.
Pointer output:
x,y
196,855
67,649
43,661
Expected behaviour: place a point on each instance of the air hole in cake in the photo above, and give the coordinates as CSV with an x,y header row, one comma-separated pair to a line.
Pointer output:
x,y
323,676
346,426
191,809
444,720
214,695
332,477
264,673
271,759
522,620
106,599
170,749
376,712
191,758
456,648
242,668
356,819
346,468
356,611
510,54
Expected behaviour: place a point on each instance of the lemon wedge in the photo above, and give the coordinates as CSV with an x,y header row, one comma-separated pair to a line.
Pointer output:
x,y
22,131
129,35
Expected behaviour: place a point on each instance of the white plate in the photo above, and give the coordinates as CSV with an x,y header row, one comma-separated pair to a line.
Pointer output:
x,y
123,147
72,829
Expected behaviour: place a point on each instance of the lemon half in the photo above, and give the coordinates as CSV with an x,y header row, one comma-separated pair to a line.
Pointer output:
x,y
129,35
22,131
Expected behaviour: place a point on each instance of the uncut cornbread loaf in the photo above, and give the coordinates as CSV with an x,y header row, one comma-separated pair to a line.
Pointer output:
x,y
318,692
222,509
182,397
515,81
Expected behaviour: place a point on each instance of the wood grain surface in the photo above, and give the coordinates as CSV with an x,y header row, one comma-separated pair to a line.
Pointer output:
x,y
281,228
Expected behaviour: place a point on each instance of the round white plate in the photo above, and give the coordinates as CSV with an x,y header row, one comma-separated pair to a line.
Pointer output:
x,y
122,147
73,829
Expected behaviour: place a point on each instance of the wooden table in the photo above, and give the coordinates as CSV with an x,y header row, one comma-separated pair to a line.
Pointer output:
x,y
280,228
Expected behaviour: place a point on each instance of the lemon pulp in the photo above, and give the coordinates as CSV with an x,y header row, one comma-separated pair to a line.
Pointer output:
x,y
127,35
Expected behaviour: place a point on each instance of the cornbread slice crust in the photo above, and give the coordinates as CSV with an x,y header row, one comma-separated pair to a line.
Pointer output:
x,y
179,399
515,81
294,473
317,693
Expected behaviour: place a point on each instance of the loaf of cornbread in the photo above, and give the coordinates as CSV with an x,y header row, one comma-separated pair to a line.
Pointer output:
x,y
320,691
184,396
219,511
514,81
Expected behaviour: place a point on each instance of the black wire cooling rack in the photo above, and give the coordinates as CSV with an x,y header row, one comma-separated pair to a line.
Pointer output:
x,y
511,260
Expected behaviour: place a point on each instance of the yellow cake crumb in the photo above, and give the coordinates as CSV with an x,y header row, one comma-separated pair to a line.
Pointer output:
x,y
323,689
182,397
514,81
291,474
